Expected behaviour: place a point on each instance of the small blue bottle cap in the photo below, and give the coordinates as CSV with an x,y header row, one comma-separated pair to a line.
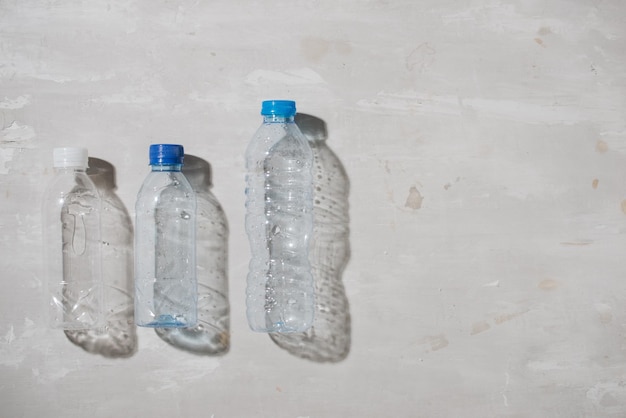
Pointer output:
x,y
285,108
166,154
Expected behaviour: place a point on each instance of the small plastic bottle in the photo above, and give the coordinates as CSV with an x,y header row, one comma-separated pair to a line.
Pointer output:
x,y
165,249
279,222
118,337
72,243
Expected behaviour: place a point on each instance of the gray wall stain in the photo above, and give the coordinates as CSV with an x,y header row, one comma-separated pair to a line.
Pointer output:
x,y
414,200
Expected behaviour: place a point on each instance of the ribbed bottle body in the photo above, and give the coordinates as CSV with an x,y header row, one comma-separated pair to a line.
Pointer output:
x,y
279,222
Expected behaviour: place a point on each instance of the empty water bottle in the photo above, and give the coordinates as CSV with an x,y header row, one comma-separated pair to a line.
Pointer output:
x,y
279,222
72,243
165,265
211,336
329,337
118,336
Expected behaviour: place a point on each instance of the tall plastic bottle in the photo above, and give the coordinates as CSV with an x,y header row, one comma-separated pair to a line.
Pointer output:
x,y
165,250
279,222
329,337
211,336
72,243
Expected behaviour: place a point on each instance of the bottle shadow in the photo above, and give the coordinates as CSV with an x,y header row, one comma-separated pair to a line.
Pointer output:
x,y
211,336
329,339
118,337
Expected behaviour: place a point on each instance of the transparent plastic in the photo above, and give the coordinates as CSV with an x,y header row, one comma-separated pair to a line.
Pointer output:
x,y
118,337
165,265
279,222
211,336
328,340
72,250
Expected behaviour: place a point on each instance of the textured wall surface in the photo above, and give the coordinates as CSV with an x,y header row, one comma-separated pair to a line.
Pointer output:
x,y
485,144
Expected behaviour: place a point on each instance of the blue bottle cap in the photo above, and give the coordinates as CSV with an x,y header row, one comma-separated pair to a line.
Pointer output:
x,y
166,154
285,108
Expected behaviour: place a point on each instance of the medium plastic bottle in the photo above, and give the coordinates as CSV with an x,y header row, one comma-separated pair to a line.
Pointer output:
x,y
165,250
211,336
279,222
72,243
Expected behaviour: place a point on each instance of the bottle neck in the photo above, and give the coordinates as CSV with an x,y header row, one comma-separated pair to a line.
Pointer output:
x,y
166,167
70,169
277,119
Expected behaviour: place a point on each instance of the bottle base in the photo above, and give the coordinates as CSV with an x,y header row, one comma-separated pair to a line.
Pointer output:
x,y
281,328
167,321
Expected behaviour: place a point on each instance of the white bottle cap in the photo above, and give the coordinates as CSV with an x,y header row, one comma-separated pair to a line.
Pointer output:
x,y
70,157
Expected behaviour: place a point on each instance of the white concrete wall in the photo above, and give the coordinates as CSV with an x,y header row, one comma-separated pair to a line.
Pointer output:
x,y
485,142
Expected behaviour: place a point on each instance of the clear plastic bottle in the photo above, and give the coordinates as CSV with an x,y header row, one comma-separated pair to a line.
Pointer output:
x,y
72,243
329,337
211,336
279,222
165,249
118,337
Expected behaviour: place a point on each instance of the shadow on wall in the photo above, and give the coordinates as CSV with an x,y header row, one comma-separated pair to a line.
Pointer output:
x,y
328,340
212,334
118,338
